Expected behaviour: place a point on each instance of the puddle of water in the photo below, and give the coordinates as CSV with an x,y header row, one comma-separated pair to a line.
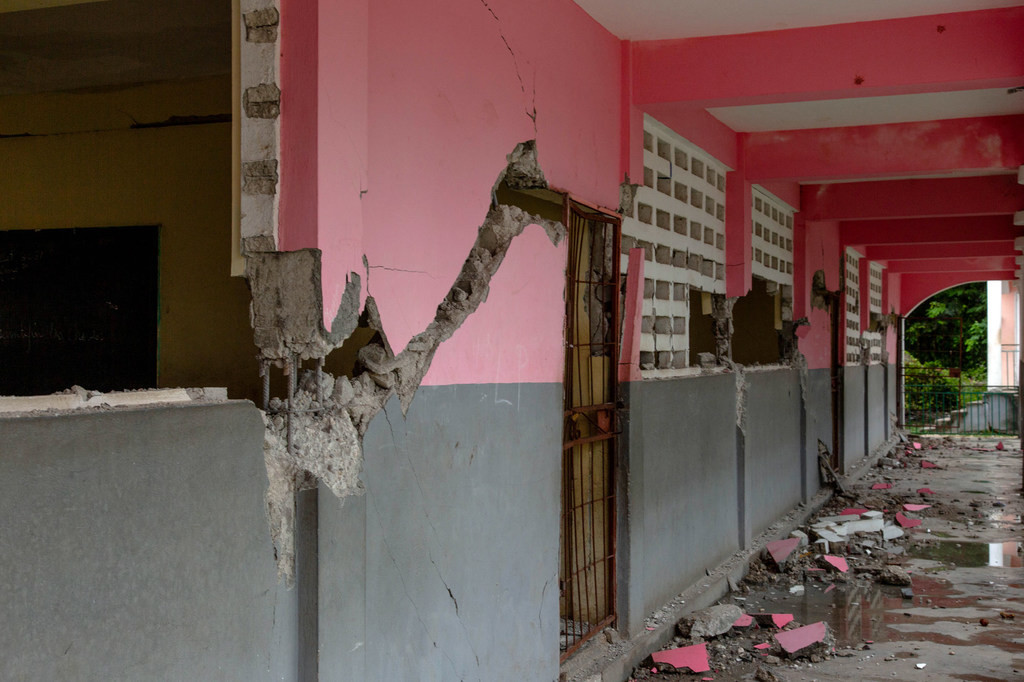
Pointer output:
x,y
970,554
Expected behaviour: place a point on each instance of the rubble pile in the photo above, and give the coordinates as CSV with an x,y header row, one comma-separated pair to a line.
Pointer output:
x,y
860,537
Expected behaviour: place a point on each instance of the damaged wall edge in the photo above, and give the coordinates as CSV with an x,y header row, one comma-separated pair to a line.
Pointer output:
x,y
316,434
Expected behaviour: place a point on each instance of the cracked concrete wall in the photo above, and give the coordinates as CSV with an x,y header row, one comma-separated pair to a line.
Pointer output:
x,y
316,434
449,560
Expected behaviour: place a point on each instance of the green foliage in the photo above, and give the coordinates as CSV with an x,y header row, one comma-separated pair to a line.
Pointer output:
x,y
935,340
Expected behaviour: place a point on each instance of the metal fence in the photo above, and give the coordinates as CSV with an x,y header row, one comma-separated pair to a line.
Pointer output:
x,y
931,408
1010,353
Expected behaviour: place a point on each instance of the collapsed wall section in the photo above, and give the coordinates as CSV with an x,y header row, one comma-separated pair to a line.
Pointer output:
x,y
315,433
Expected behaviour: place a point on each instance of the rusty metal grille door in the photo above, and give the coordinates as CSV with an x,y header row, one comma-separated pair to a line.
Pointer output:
x,y
587,566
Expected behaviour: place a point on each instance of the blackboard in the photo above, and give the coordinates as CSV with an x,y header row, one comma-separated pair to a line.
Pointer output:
x,y
78,306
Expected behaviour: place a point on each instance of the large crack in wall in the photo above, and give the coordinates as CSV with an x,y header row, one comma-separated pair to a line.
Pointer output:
x,y
315,434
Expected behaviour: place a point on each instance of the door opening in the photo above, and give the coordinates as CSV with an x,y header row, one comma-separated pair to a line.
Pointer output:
x,y
590,426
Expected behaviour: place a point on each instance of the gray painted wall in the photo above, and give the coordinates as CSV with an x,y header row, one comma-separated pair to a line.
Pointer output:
x,y
854,437
460,524
683,506
877,410
819,423
135,547
773,447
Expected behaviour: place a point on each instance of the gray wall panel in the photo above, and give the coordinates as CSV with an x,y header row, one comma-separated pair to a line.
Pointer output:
x,y
686,508
136,547
773,446
877,416
854,439
461,527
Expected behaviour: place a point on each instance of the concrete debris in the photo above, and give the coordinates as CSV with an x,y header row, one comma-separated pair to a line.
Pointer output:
x,y
710,622
894,575
317,435
693,657
810,640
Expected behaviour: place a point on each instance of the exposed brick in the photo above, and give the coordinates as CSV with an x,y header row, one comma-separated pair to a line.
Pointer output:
x,y
262,101
647,324
662,325
679,325
260,177
694,261
679,292
679,359
663,254
646,359
664,359
707,268
662,290
648,288
261,25
679,259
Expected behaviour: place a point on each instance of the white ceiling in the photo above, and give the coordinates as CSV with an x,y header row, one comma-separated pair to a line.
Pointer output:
x,y
663,19
835,113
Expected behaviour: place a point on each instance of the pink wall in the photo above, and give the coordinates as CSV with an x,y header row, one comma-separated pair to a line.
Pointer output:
x,y
418,105
821,241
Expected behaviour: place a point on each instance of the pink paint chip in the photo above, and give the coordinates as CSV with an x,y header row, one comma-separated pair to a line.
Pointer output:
x,y
881,486
838,562
744,621
907,522
925,491
693,657
766,645
849,511
1000,446
781,549
916,507
917,446
801,638
925,464
830,588
782,619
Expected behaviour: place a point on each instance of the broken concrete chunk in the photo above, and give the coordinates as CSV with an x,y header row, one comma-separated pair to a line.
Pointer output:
x,y
871,515
710,622
801,536
864,526
693,657
814,639
835,562
894,575
779,550
907,522
891,533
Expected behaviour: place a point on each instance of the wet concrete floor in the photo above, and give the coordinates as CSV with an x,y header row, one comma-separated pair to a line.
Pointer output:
x,y
965,617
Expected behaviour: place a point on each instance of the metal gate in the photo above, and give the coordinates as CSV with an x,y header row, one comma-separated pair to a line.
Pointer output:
x,y
587,561
936,396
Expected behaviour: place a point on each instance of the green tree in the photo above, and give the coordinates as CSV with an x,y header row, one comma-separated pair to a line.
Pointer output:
x,y
933,330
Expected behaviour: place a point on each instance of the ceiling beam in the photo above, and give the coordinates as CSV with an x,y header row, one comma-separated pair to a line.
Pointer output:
x,y
979,195
959,230
940,265
862,59
906,252
966,146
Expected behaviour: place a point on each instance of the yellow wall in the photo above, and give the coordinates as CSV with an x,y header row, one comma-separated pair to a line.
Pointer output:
x,y
101,173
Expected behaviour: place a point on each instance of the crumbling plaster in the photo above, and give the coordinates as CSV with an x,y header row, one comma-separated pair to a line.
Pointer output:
x,y
315,434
